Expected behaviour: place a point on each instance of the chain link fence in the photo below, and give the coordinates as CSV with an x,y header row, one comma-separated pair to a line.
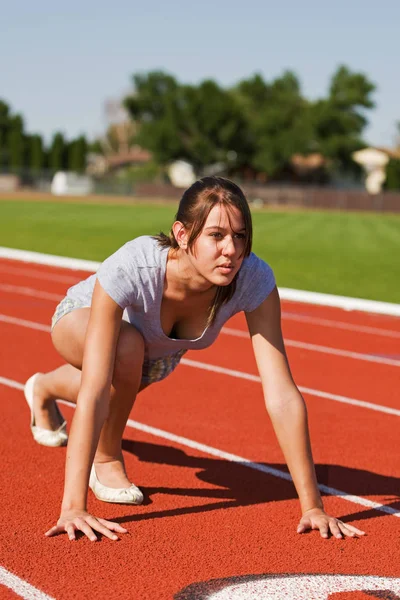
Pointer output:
x,y
267,195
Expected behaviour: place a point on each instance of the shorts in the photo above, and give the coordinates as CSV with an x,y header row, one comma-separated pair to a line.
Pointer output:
x,y
66,306
153,370
159,368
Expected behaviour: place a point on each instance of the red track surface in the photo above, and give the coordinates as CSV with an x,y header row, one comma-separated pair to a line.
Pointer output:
x,y
205,518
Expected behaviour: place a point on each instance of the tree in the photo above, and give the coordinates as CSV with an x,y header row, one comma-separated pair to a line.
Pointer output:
x,y
15,142
4,128
36,153
278,121
262,124
393,175
339,119
77,150
201,124
57,152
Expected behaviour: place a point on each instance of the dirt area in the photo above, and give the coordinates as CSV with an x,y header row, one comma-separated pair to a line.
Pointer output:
x,y
92,199
124,200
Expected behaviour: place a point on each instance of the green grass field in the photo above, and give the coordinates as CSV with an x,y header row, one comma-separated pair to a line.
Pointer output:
x,y
352,254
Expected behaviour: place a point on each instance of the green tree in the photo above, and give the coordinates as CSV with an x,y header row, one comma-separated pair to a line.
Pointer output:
x,y
392,182
278,121
4,128
36,157
57,153
15,142
339,120
201,124
261,123
77,150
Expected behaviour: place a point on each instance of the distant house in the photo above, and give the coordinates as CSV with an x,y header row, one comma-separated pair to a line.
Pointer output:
x,y
134,156
100,164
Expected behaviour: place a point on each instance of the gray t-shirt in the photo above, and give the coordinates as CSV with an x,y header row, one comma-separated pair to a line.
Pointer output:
x,y
134,278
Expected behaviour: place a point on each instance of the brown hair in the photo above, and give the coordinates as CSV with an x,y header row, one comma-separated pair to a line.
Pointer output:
x,y
194,208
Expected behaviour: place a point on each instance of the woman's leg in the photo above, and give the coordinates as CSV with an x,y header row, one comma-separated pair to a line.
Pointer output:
x,y
64,382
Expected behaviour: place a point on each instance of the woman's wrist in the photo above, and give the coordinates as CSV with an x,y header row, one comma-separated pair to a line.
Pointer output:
x,y
309,507
311,501
71,506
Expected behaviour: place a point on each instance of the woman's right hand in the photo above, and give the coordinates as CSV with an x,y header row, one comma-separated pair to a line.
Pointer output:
x,y
71,521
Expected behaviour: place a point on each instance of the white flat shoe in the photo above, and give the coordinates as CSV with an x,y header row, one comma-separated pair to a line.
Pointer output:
x,y
45,437
130,495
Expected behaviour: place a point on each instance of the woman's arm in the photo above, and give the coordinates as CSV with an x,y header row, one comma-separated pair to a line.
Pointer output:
x,y
90,415
288,414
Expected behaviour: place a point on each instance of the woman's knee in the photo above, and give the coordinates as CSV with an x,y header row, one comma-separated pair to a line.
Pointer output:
x,y
129,354
68,335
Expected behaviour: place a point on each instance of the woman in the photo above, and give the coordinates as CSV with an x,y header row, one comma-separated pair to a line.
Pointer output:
x,y
128,325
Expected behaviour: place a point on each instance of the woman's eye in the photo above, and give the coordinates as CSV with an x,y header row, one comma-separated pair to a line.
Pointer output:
x,y
216,234
240,236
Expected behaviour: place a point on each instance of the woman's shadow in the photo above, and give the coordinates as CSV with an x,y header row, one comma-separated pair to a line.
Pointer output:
x,y
240,485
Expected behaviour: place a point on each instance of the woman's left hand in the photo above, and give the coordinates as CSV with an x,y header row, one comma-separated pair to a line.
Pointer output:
x,y
316,518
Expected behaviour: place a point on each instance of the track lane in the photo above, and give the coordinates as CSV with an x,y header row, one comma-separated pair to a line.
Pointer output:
x,y
208,519
181,541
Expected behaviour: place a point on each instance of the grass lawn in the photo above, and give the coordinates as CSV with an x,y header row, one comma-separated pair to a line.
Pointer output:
x,y
352,254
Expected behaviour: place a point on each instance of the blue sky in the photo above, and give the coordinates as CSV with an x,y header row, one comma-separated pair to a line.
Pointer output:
x,y
60,62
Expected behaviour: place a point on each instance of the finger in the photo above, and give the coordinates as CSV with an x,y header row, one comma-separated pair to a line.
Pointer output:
x,y
54,530
323,529
350,531
352,528
304,525
70,529
97,526
113,526
84,527
334,527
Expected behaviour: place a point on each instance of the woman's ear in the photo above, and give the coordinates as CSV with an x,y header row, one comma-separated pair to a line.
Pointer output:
x,y
180,234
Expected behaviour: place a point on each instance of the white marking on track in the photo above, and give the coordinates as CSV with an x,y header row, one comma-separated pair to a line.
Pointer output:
x,y
305,390
324,349
302,587
22,588
27,291
34,274
340,324
345,302
245,462
24,323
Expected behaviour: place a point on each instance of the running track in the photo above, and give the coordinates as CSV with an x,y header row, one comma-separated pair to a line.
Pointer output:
x,y
213,526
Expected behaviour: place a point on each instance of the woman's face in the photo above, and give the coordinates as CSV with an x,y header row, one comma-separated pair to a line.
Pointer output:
x,y
217,253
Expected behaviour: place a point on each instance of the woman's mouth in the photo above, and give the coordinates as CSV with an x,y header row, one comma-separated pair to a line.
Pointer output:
x,y
226,269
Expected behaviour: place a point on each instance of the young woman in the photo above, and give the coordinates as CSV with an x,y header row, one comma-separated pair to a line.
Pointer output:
x,y
128,326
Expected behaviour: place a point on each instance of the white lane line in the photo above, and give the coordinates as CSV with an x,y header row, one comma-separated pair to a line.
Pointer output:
x,y
250,377
20,587
238,374
24,323
345,302
27,291
340,325
183,441
324,349
38,258
33,274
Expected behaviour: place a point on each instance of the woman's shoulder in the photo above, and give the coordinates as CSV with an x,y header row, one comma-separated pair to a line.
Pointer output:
x,y
143,251
255,282
254,266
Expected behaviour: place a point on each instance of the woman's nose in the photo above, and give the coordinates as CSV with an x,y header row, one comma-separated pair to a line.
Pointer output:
x,y
229,247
